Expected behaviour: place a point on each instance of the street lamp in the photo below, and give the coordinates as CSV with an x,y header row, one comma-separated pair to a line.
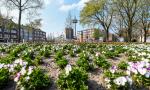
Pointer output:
x,y
75,21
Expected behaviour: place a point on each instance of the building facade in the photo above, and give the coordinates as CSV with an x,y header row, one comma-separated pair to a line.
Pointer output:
x,y
69,34
11,35
88,36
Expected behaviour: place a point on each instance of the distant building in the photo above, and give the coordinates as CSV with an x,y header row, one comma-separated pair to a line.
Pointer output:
x,y
85,35
69,33
34,35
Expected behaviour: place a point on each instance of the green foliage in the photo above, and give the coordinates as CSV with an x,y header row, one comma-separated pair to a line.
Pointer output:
x,y
83,63
38,60
58,55
7,60
28,54
96,34
72,53
4,77
45,52
62,62
110,54
84,55
101,62
134,58
76,80
91,9
38,80
123,65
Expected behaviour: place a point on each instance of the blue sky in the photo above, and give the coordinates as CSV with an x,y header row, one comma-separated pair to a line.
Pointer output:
x,y
53,14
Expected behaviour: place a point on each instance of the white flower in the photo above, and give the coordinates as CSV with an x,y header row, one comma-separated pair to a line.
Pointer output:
x,y
97,54
128,72
11,69
16,79
30,70
120,81
147,75
68,68
142,71
18,83
107,80
129,80
23,71
17,61
1,66
27,78
108,86
22,88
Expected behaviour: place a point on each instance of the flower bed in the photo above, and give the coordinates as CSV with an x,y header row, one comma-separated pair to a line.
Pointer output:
x,y
119,66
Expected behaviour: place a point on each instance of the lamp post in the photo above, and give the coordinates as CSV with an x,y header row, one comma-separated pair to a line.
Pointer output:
x,y
75,21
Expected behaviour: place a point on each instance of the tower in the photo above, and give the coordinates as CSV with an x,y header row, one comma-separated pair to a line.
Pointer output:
x,y
75,21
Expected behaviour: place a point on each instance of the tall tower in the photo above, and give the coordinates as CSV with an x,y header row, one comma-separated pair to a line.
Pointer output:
x,y
75,21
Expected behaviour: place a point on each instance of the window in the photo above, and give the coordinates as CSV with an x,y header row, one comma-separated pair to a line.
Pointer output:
x,y
6,36
1,36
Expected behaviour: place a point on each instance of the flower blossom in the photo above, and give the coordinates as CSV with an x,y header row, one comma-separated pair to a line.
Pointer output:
x,y
68,68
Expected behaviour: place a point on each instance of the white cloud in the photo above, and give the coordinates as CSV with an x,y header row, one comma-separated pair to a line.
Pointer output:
x,y
67,7
47,2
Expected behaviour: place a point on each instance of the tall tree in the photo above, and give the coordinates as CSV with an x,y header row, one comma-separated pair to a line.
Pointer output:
x,y
98,12
144,14
68,23
21,6
128,10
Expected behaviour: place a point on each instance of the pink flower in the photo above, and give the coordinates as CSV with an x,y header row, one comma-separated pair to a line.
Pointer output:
x,y
16,79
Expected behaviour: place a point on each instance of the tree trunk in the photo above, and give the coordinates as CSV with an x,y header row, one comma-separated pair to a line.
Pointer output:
x,y
145,34
107,35
130,33
28,35
19,22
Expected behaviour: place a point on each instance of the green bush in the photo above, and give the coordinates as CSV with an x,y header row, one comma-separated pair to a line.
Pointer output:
x,y
101,62
37,81
62,62
4,77
38,60
123,65
7,60
83,63
71,53
76,80
58,55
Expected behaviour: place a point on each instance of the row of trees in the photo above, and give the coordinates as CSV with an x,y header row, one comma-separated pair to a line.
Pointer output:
x,y
130,17
22,6
6,23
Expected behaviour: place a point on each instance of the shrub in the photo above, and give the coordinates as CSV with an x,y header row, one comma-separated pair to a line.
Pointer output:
x,y
37,80
38,60
58,55
62,62
4,77
101,62
123,65
83,63
8,59
76,80
71,53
